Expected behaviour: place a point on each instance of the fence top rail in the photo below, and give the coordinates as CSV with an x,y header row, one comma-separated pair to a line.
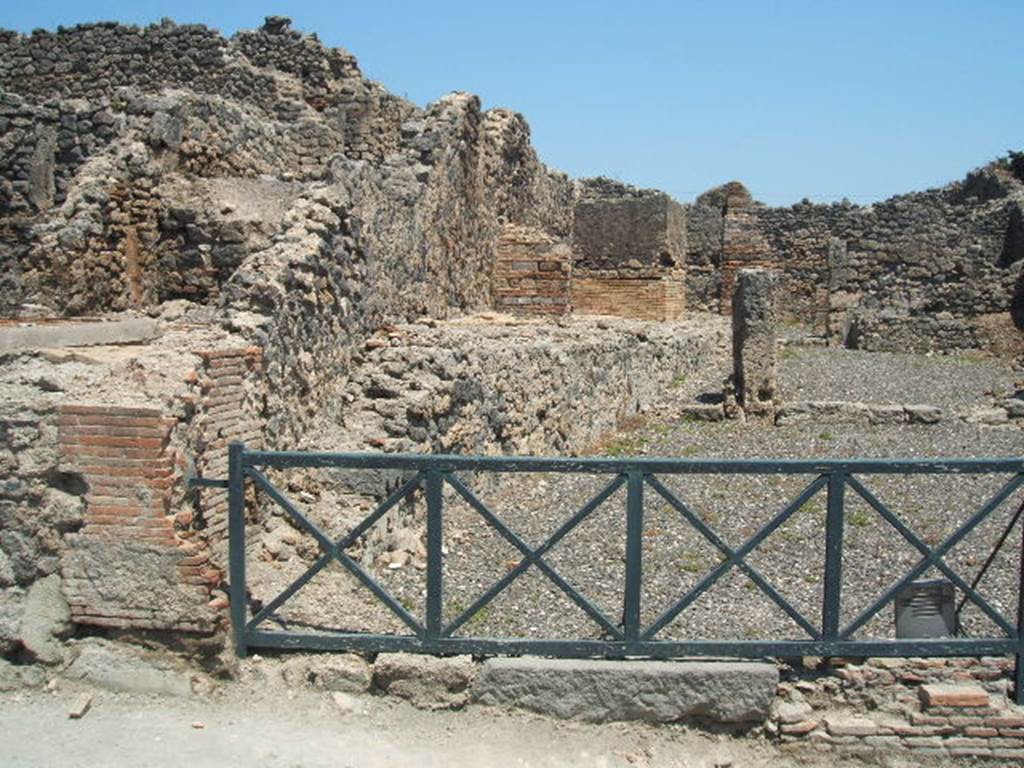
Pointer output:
x,y
601,465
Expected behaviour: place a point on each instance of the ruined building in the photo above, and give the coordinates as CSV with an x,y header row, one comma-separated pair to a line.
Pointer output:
x,y
257,216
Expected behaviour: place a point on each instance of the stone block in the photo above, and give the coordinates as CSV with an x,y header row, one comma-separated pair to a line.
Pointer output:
x,y
654,691
923,414
46,619
14,677
12,608
77,334
124,669
426,681
346,673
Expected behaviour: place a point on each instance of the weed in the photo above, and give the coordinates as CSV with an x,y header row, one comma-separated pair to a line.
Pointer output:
x,y
691,563
968,358
625,445
678,381
859,518
825,436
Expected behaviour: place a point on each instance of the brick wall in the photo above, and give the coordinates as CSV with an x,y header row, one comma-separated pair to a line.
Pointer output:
x,y
655,299
531,273
938,708
128,567
743,247
227,413
149,551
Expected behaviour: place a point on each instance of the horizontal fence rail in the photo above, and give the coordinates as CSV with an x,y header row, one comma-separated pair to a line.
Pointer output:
x,y
826,635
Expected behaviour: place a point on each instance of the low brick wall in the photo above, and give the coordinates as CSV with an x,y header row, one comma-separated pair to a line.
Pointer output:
x,y
939,708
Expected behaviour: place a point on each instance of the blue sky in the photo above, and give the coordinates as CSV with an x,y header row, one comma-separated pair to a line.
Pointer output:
x,y
818,99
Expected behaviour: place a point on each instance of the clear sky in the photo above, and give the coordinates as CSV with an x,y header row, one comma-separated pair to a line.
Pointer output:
x,y
819,99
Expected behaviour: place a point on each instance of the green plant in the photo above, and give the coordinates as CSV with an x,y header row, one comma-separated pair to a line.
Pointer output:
x,y
968,358
691,562
625,445
826,435
859,518
677,381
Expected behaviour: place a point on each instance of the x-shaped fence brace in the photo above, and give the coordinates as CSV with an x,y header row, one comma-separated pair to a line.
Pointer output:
x,y
931,557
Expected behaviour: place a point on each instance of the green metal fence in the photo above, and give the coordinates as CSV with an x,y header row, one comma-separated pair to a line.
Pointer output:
x,y
826,634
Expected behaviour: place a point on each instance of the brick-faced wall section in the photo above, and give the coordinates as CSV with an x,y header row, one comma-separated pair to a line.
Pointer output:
x,y
127,568
656,299
743,247
228,412
531,273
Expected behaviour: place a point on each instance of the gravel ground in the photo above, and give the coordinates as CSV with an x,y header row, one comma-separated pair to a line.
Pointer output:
x,y
948,381
676,557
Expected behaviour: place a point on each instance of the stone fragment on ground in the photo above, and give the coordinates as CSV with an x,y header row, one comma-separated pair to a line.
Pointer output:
x,y
121,668
80,706
428,682
655,691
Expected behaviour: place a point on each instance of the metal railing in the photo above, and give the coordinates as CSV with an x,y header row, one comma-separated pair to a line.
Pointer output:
x,y
826,634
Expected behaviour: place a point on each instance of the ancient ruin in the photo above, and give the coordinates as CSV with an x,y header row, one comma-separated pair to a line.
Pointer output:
x,y
207,240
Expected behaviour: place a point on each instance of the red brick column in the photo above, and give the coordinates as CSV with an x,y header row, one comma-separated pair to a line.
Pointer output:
x,y
127,567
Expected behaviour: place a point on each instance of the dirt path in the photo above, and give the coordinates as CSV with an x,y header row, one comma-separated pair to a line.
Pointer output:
x,y
309,731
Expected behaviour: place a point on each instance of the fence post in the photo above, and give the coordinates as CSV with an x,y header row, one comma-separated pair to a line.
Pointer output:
x,y
833,557
634,554
435,540
1018,668
236,546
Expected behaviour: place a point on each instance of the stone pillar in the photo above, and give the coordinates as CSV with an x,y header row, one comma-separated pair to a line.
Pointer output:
x,y
754,320
840,300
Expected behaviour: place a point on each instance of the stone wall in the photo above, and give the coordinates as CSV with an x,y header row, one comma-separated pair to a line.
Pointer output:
x,y
481,386
927,268
621,231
